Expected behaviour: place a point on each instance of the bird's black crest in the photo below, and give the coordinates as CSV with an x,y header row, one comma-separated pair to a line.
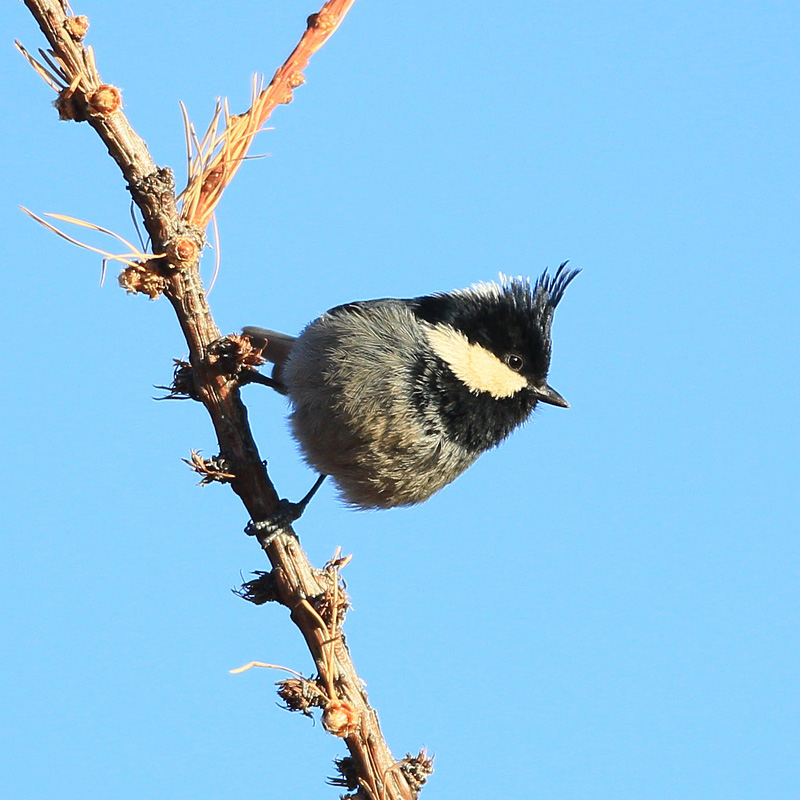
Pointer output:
x,y
555,285
511,299
539,300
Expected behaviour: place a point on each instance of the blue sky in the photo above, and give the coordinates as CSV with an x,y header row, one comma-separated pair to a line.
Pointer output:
x,y
606,605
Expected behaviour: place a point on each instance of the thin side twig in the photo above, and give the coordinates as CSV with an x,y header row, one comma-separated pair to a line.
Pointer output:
x,y
214,173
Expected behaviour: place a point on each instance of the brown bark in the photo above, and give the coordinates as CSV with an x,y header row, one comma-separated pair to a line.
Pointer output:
x,y
315,597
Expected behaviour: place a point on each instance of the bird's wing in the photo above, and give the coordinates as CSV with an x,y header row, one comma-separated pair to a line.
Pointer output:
x,y
277,346
365,305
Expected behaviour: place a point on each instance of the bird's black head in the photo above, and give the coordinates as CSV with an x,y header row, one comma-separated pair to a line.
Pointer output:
x,y
495,337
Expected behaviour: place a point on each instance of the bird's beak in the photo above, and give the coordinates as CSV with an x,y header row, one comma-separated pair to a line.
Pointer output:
x,y
549,395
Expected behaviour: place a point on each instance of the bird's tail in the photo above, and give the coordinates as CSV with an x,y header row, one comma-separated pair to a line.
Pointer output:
x,y
275,347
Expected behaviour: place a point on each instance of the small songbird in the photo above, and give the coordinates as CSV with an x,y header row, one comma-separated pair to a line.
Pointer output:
x,y
396,398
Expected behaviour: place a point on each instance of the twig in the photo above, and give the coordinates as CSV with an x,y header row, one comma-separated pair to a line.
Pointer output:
x,y
216,171
314,597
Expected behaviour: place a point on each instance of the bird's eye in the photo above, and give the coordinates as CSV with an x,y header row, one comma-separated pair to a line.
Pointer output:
x,y
515,362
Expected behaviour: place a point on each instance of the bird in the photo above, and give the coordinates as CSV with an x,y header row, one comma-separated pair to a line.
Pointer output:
x,y
395,398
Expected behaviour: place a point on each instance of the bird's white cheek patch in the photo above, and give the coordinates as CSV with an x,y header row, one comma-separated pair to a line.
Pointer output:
x,y
477,368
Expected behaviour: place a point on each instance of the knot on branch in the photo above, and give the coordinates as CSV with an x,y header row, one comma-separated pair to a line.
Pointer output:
x,y
70,107
77,26
233,353
185,248
72,104
104,101
348,773
322,21
332,605
262,589
213,178
416,769
340,718
302,694
182,386
158,187
159,181
152,276
295,79
144,277
216,469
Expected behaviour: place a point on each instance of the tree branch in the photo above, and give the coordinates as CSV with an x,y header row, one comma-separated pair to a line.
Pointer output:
x,y
315,598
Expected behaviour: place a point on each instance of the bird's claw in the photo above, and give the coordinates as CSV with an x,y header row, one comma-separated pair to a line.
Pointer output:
x,y
280,521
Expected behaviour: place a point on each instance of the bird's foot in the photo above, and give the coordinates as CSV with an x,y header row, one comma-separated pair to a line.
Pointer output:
x,y
280,521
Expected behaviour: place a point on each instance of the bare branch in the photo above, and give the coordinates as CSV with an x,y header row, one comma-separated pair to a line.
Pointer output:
x,y
315,598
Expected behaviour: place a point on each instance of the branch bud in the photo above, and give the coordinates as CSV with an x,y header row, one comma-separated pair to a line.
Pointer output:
x,y
323,21
340,718
143,278
77,26
104,100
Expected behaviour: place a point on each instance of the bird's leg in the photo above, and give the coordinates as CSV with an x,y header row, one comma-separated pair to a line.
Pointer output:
x,y
283,517
252,376
301,506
